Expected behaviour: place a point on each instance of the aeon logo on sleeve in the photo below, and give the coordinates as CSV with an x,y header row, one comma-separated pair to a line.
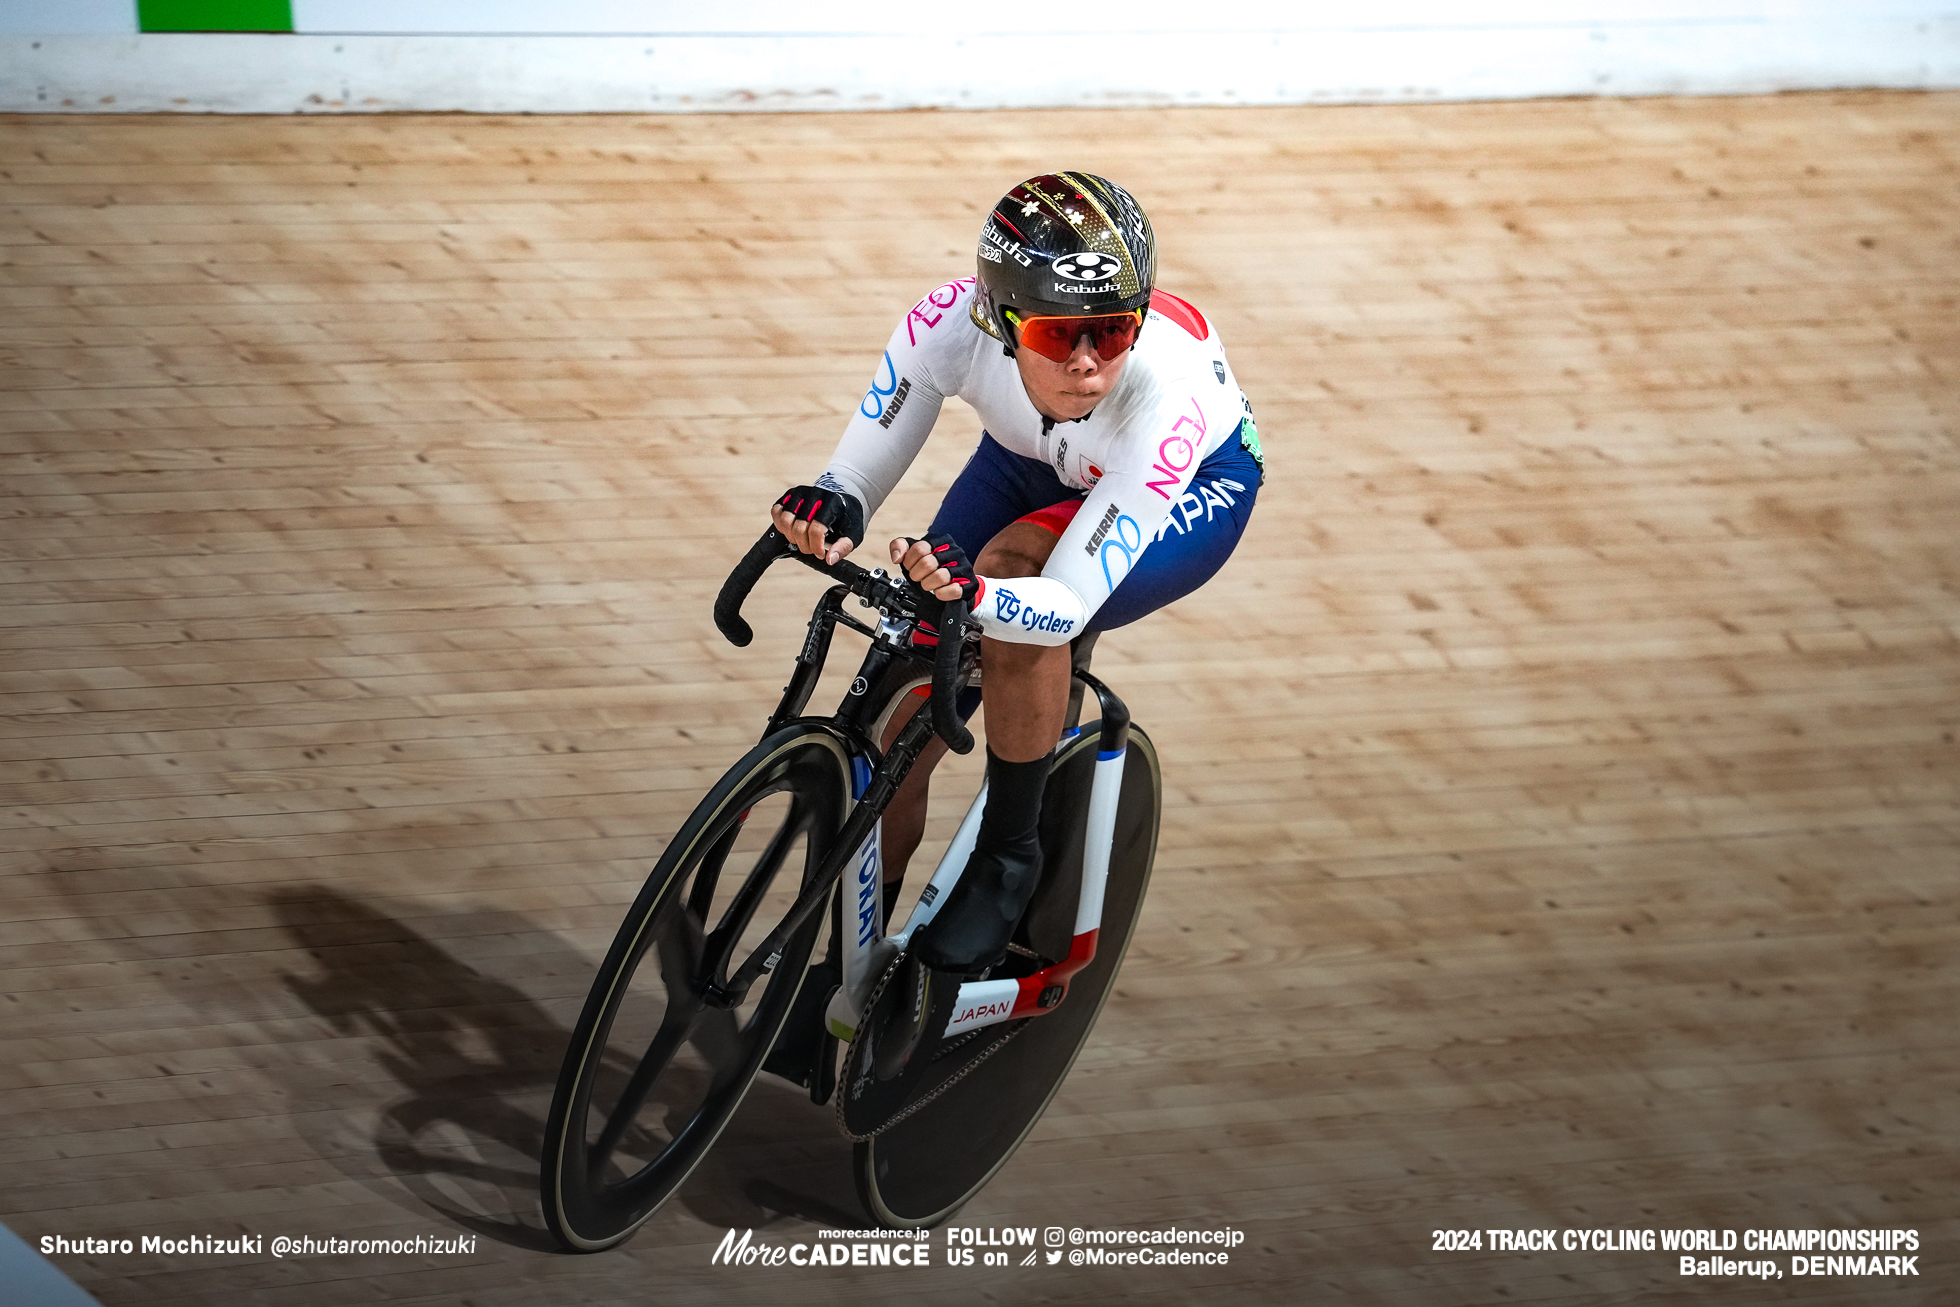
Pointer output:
x,y
1089,265
1176,454
931,311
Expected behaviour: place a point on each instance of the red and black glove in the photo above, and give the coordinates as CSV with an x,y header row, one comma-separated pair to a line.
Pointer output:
x,y
950,556
839,513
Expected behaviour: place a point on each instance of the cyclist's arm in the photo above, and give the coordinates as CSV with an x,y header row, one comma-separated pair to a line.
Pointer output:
x,y
908,385
1118,521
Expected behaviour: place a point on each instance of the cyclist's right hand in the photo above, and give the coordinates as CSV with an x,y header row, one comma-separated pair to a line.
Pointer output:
x,y
819,522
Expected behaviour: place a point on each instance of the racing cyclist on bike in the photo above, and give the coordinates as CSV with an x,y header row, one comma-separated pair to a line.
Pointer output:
x,y
1117,468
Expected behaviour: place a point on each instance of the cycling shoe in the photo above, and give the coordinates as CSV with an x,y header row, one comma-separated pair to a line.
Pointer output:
x,y
970,934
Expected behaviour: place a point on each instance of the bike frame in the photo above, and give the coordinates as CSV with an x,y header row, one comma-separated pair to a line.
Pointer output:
x,y
866,950
991,1002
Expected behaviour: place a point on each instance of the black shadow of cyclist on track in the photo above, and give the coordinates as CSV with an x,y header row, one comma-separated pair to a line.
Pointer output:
x,y
478,1056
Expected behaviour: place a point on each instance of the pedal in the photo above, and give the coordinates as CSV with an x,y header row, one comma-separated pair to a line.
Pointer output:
x,y
840,1018
902,1026
881,1087
823,1080
805,1052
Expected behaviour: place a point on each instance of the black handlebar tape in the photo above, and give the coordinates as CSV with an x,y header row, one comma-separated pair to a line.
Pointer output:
x,y
728,604
945,673
946,661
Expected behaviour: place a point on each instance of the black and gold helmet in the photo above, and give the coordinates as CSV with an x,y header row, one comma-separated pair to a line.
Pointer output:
x,y
1066,243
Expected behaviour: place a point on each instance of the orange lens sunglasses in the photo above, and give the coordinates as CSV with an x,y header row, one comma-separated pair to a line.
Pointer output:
x,y
1054,336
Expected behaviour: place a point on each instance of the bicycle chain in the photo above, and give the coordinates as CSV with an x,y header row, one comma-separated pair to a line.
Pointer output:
x,y
871,1004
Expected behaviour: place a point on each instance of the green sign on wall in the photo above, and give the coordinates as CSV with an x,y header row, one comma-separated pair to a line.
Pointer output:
x,y
214,15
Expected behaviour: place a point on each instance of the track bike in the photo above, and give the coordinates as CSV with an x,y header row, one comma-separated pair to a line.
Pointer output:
x,y
709,981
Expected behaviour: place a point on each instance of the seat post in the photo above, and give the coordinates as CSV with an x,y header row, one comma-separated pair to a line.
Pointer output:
x,y
1080,649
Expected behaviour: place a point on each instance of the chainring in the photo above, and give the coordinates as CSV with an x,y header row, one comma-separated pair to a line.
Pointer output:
x,y
868,1106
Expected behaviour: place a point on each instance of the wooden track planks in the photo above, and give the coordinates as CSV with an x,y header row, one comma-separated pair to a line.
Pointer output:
x,y
1564,795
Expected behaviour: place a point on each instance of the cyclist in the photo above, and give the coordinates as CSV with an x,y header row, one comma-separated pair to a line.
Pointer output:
x,y
1117,468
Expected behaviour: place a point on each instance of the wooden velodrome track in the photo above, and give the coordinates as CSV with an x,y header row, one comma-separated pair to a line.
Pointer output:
x,y
1563,786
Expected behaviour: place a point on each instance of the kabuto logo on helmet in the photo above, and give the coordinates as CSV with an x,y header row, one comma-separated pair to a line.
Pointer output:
x,y
992,234
1087,265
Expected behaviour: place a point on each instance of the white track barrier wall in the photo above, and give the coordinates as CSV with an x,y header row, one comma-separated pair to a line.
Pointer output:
x,y
592,56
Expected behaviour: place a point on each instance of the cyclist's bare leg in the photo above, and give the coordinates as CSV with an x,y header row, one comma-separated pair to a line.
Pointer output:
x,y
905,817
1025,710
1029,681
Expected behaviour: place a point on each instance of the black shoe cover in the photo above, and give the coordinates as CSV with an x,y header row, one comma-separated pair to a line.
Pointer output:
x,y
801,1043
970,934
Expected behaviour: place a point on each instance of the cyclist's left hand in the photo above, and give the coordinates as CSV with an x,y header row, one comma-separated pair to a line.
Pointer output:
x,y
936,565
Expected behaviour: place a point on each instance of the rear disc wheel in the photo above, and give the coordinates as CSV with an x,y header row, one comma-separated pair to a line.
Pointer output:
x,y
922,1168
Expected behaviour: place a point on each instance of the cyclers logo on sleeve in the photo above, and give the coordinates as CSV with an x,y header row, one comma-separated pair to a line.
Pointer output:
x,y
1009,609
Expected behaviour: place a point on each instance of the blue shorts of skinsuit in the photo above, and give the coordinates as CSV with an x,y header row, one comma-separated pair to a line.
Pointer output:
x,y
998,487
